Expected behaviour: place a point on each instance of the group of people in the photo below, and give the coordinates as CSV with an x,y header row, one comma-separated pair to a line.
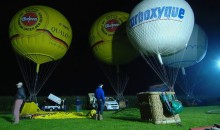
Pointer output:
x,y
20,97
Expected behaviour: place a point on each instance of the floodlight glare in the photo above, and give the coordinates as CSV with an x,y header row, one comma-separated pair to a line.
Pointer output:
x,y
218,63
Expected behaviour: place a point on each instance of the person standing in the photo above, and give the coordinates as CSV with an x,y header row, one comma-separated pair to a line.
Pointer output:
x,y
19,99
100,99
78,103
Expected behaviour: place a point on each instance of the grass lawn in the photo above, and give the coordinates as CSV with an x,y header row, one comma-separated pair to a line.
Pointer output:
x,y
126,119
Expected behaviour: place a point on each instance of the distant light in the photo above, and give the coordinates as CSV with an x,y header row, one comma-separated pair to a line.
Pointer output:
x,y
218,63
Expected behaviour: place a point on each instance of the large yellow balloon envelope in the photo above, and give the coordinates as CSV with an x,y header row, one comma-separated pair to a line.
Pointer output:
x,y
40,33
109,40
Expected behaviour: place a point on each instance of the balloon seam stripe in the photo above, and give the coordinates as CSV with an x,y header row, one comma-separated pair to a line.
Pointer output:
x,y
57,39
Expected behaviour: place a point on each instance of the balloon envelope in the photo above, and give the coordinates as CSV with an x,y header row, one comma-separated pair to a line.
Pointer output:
x,y
194,52
109,40
40,33
160,26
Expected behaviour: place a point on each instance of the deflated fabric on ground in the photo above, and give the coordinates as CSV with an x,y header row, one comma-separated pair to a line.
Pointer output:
x,y
31,110
60,115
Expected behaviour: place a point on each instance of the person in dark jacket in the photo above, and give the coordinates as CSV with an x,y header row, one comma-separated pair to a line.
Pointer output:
x,y
19,99
100,98
78,104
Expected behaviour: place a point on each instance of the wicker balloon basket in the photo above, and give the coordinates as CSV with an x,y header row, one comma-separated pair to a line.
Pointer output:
x,y
153,110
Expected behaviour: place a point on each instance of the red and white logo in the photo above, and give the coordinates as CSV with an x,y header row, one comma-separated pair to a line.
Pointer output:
x,y
29,19
112,25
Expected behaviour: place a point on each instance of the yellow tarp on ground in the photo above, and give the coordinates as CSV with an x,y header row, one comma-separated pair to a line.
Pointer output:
x,y
32,111
30,108
60,115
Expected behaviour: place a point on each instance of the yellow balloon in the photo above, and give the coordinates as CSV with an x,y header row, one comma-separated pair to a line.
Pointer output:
x,y
40,33
109,41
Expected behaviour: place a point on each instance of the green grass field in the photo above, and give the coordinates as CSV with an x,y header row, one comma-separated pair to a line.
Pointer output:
x,y
125,119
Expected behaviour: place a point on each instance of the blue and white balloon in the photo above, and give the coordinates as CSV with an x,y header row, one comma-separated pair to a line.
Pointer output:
x,y
160,27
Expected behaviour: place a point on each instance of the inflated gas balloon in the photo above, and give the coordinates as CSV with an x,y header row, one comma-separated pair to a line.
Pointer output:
x,y
40,36
109,40
40,33
160,27
194,52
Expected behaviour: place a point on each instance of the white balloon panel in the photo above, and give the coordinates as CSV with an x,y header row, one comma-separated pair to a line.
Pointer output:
x,y
160,26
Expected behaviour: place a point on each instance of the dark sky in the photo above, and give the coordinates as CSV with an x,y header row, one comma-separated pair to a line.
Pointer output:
x,y
78,72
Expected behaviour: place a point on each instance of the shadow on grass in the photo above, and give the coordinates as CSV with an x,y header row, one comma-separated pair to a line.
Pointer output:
x,y
124,114
130,119
6,118
120,110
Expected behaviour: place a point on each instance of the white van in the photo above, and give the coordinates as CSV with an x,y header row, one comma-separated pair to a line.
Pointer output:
x,y
111,104
54,103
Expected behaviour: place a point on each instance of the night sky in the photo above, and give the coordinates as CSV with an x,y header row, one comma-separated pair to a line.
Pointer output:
x,y
78,73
